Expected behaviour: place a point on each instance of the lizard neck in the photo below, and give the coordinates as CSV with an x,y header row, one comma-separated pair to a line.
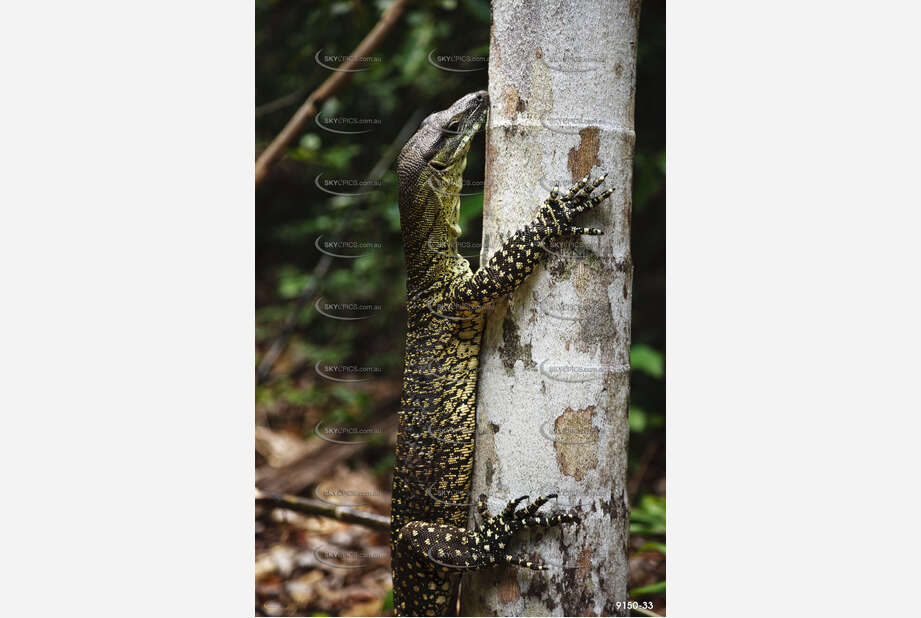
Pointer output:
x,y
430,234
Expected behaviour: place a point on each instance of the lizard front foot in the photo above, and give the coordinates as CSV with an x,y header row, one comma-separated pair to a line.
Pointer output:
x,y
558,211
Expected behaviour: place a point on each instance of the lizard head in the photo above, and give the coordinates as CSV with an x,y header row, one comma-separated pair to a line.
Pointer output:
x,y
446,135
430,169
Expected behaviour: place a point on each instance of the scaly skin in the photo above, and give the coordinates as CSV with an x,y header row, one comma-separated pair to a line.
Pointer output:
x,y
430,544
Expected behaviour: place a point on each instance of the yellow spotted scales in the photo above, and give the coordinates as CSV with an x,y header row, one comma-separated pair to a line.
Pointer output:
x,y
430,544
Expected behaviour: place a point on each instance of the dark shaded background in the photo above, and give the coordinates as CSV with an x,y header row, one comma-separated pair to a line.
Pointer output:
x,y
294,574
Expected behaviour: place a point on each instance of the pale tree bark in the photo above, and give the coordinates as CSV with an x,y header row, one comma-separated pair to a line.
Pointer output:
x,y
554,381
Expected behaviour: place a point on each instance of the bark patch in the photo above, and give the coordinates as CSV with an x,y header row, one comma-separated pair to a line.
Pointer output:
x,y
585,563
510,101
508,587
511,349
584,156
538,591
576,442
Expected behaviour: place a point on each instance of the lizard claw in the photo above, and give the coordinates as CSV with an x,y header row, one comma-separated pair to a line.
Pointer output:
x,y
524,562
510,507
585,231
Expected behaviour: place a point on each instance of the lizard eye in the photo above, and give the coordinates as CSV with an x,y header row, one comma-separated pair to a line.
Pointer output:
x,y
453,126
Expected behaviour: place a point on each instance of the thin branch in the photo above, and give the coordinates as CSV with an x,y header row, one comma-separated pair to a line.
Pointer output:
x,y
315,507
282,102
329,87
319,271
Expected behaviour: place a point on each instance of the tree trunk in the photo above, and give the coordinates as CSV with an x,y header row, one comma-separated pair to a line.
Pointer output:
x,y
554,382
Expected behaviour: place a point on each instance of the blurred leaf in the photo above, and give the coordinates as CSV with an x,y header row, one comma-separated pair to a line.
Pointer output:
x,y
471,208
648,360
417,47
648,516
652,546
339,157
642,420
358,402
291,281
388,602
311,141
385,463
638,419
309,396
479,9
391,213
650,590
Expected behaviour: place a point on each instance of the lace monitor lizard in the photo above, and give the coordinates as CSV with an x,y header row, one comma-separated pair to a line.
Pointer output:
x,y
430,543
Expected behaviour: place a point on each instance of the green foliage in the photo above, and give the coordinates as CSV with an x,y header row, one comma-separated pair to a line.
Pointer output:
x,y
479,9
652,546
656,589
649,363
648,516
292,212
641,420
471,210
648,360
385,464
291,281
388,603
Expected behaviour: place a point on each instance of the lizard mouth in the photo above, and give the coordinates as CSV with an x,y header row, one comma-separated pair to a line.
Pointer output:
x,y
469,115
474,120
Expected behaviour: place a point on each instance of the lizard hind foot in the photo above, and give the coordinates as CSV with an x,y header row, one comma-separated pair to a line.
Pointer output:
x,y
527,517
509,509
534,506
553,520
